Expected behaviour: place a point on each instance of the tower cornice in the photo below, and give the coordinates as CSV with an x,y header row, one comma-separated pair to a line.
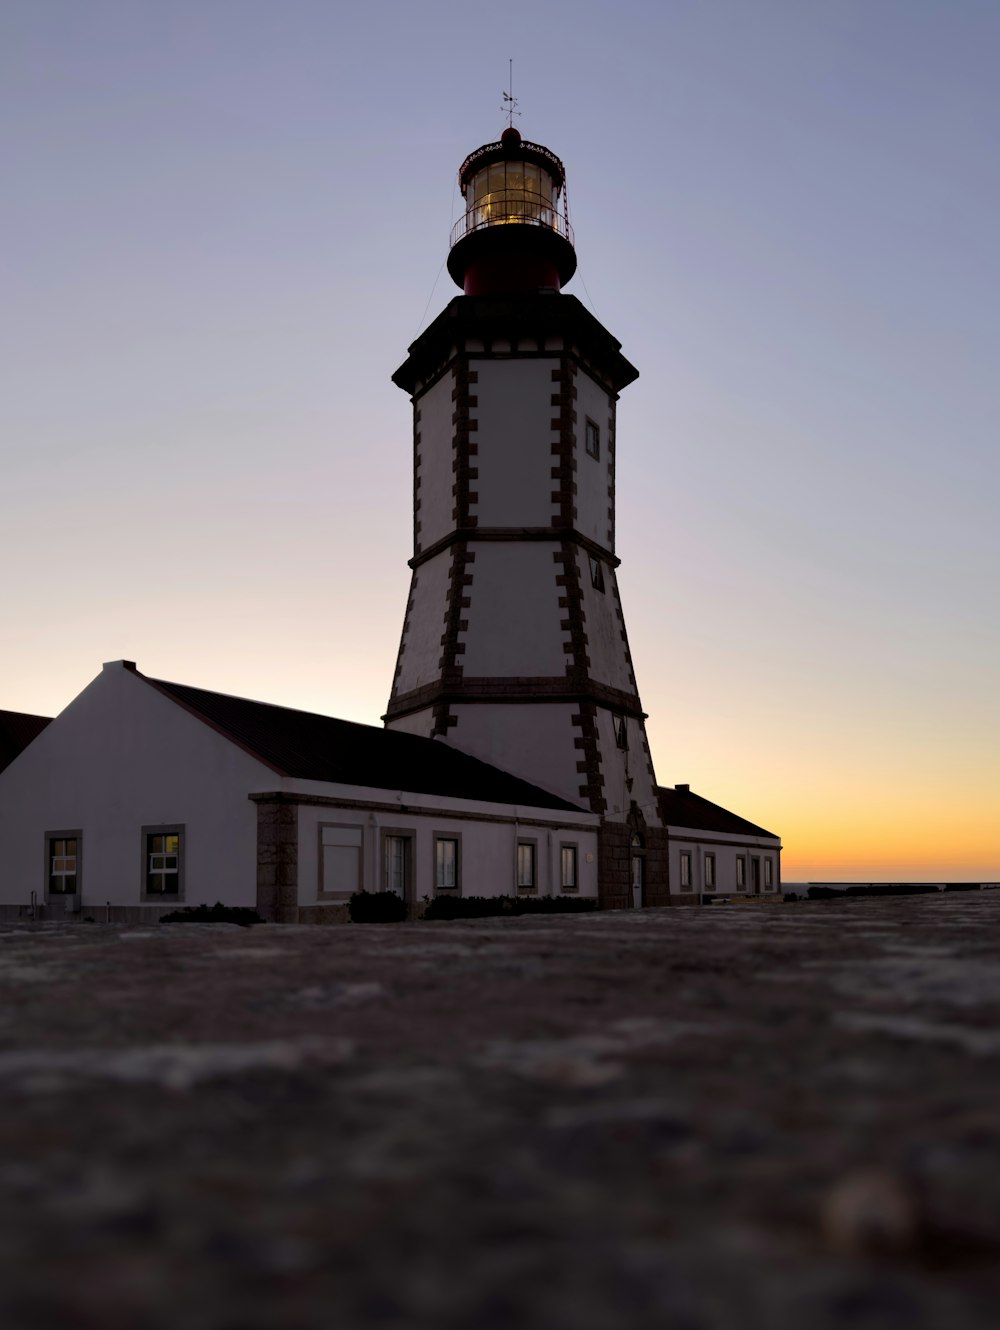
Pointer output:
x,y
553,535
524,324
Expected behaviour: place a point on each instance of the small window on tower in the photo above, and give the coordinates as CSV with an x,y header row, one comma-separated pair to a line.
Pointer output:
x,y
621,732
596,573
593,438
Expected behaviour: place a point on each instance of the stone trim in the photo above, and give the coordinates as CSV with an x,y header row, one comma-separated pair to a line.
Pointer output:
x,y
277,858
515,533
463,449
417,460
564,446
501,688
450,669
612,415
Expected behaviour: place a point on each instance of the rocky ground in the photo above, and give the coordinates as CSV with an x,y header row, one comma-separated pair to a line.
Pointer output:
x,y
731,1117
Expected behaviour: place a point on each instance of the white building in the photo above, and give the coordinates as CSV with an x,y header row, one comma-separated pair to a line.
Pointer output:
x,y
515,756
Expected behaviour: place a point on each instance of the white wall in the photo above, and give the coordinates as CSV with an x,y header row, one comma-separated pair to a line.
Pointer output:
x,y
593,475
514,616
436,451
534,741
421,645
487,850
514,438
726,850
120,757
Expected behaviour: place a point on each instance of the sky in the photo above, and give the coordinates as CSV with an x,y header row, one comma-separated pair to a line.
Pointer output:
x,y
225,221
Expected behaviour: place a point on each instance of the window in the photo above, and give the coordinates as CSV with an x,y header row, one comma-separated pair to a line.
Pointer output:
x,y
685,872
396,864
593,438
62,860
621,732
526,865
340,862
446,863
163,861
709,872
596,574
768,874
567,868
741,874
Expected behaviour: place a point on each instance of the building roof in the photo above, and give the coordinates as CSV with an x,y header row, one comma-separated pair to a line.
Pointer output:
x,y
681,807
302,745
17,729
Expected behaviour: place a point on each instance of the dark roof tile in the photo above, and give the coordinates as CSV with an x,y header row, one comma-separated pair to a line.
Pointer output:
x,y
302,745
17,729
683,808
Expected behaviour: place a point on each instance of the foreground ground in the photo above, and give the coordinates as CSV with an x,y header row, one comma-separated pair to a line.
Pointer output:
x,y
730,1117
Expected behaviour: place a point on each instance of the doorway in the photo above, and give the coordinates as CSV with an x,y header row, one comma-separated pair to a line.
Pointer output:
x,y
755,875
638,870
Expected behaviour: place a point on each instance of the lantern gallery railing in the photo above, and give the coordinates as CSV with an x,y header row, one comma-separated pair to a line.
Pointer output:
x,y
517,206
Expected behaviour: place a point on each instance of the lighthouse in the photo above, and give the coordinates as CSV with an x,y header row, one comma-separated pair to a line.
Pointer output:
x,y
514,646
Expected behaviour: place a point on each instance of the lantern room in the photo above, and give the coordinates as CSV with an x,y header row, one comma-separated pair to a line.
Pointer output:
x,y
513,237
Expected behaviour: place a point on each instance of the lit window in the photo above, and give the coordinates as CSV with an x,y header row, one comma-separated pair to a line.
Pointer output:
x,y
64,865
567,868
593,438
686,871
526,865
741,875
596,573
163,861
446,864
621,732
709,872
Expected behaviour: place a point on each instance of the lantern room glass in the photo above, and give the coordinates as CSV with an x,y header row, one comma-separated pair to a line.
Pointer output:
x,y
512,191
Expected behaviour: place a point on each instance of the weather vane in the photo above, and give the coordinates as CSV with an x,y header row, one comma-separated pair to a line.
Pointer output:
x,y
510,101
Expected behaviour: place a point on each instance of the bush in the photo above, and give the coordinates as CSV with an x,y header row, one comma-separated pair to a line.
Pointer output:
x,y
822,893
214,914
962,886
480,907
377,907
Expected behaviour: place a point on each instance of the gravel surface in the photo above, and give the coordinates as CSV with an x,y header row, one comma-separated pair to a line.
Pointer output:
x,y
730,1117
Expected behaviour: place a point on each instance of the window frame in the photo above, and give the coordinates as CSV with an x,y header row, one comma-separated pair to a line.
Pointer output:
x,y
621,731
178,829
455,837
596,572
50,837
571,848
592,435
530,844
741,873
768,874
686,883
709,871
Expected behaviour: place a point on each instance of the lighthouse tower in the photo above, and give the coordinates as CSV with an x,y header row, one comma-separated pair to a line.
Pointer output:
x,y
514,646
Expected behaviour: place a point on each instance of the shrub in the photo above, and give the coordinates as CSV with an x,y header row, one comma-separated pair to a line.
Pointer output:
x,y
962,886
822,893
480,907
376,907
214,914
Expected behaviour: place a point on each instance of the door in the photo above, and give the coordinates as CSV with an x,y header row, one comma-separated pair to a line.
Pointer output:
x,y
638,872
755,875
396,865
